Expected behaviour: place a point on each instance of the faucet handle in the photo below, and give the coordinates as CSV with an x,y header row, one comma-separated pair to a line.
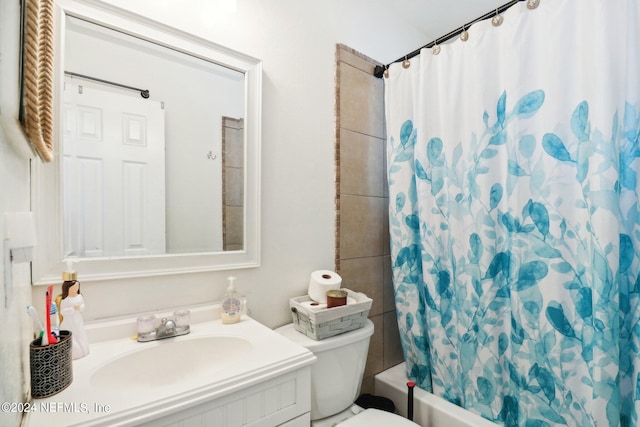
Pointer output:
x,y
182,318
146,323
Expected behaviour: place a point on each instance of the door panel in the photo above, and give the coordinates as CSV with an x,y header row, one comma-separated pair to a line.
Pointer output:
x,y
113,149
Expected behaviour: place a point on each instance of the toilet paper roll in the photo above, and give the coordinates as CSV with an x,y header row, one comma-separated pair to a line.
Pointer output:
x,y
322,281
313,306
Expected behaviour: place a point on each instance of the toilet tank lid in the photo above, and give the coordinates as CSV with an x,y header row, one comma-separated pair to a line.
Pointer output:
x,y
377,418
314,346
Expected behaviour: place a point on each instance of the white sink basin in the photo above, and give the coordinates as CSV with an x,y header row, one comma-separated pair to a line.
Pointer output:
x,y
166,362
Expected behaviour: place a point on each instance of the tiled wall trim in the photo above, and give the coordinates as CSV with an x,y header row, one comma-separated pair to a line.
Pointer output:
x,y
362,237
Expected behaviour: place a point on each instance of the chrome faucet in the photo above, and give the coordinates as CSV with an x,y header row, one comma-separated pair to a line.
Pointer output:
x,y
166,329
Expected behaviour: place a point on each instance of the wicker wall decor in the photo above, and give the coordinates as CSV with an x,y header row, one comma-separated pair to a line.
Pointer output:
x,y
38,76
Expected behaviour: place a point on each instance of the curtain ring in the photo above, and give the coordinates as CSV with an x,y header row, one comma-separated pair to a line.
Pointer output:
x,y
435,49
386,71
406,63
496,21
532,4
464,35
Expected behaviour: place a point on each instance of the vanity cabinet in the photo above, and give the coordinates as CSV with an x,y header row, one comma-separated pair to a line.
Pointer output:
x,y
281,401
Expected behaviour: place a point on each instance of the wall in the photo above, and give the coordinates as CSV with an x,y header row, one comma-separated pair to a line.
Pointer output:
x,y
362,240
14,197
16,329
296,41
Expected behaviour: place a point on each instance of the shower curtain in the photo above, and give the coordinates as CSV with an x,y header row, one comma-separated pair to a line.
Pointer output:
x,y
513,163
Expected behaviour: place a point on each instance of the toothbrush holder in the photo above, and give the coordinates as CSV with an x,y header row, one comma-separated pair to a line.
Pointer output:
x,y
51,366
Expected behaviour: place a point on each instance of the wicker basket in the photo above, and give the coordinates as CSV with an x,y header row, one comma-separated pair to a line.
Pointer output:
x,y
321,322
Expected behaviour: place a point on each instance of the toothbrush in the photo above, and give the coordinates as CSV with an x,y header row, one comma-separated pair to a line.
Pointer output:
x,y
56,321
31,311
50,338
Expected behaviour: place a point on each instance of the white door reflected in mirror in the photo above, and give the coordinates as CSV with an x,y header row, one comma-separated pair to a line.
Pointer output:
x,y
113,145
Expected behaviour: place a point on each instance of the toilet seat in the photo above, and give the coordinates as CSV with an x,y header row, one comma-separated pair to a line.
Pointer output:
x,y
376,418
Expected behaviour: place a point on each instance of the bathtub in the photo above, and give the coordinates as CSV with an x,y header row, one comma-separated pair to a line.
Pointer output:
x,y
429,410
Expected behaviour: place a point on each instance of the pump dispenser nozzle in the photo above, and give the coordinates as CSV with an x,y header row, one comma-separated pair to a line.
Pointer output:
x,y
70,274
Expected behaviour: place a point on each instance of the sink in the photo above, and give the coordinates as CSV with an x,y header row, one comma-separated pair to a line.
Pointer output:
x,y
165,362
215,375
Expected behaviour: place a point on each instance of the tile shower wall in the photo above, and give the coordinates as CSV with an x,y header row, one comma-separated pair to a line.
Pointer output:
x,y
233,183
362,237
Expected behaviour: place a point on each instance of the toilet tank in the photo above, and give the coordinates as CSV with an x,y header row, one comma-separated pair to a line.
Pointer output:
x,y
337,374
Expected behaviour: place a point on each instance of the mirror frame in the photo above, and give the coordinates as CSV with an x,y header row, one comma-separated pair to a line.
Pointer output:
x,y
46,178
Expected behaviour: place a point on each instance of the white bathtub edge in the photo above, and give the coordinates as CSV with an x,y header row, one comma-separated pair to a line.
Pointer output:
x,y
429,409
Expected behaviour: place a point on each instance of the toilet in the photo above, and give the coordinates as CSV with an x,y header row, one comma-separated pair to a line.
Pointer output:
x,y
336,378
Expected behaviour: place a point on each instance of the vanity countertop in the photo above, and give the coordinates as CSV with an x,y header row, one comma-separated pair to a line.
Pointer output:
x,y
84,403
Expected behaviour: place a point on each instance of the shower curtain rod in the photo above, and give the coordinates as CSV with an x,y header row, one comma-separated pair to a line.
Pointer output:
x,y
143,92
379,69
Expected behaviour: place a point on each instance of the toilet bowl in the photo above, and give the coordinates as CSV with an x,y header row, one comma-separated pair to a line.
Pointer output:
x,y
376,418
336,377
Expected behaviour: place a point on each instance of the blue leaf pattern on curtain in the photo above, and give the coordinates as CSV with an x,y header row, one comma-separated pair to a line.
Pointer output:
x,y
509,348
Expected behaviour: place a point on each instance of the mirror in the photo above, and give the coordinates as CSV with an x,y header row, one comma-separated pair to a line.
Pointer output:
x,y
162,157
156,167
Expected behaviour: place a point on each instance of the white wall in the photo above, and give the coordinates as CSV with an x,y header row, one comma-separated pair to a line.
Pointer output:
x,y
296,40
15,332
15,329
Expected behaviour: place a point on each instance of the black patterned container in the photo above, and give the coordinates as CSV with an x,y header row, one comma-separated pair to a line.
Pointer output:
x,y
51,366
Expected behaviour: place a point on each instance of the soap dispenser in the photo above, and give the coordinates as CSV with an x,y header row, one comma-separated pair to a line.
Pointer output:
x,y
231,304
70,308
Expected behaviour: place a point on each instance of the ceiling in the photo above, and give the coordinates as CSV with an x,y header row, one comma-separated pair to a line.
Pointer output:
x,y
438,17
435,18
